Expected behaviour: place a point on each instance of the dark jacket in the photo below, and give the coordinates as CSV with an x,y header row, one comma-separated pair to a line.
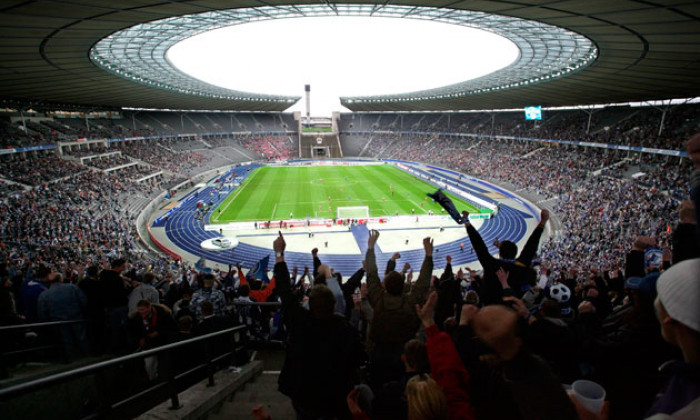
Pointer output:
x,y
685,243
683,387
323,356
491,290
115,293
161,322
449,297
349,288
522,388
395,320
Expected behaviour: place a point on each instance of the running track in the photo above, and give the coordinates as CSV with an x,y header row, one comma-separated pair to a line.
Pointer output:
x,y
187,233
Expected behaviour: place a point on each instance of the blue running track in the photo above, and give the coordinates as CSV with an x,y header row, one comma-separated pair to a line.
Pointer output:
x,y
187,233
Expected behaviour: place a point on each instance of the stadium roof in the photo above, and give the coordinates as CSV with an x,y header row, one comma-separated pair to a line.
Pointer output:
x,y
641,51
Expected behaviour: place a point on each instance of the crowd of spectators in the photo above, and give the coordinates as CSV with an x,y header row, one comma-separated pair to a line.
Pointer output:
x,y
479,345
613,125
499,343
640,126
163,154
35,171
7,188
599,213
108,162
49,131
12,135
270,147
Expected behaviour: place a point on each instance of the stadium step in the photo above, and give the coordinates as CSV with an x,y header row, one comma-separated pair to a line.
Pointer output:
x,y
261,391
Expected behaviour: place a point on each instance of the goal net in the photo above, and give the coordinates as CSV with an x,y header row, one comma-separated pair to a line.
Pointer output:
x,y
361,212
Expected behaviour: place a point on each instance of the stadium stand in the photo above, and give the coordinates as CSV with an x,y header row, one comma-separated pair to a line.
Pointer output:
x,y
609,203
99,319
623,125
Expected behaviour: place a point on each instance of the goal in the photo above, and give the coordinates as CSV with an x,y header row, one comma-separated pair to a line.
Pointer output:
x,y
361,212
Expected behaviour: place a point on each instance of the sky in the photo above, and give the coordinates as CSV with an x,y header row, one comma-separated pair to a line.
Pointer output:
x,y
340,56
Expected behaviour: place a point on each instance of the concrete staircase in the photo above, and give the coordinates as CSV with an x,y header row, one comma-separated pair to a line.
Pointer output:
x,y
261,391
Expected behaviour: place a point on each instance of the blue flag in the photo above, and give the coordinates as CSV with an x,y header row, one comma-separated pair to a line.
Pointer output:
x,y
447,204
201,266
259,270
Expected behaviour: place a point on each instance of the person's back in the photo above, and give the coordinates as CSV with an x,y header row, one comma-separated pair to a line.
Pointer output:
x,y
114,291
208,294
91,287
62,302
324,351
520,274
65,302
211,323
31,289
320,366
394,322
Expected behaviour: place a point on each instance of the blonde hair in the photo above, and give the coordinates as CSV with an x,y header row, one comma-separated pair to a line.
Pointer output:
x,y
426,401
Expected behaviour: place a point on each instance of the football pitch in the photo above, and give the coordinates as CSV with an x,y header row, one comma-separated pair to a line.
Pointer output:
x,y
282,193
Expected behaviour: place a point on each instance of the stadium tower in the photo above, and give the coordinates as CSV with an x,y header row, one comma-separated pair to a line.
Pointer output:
x,y
318,137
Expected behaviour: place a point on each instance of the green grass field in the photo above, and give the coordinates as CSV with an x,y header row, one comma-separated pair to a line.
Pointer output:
x,y
272,193
316,129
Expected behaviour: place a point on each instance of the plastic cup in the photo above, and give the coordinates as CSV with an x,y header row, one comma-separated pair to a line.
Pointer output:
x,y
589,394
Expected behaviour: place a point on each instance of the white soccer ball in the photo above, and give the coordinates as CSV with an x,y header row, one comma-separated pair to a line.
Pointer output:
x,y
560,293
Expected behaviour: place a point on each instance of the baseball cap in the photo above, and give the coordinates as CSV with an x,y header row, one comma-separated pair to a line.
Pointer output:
x,y
679,292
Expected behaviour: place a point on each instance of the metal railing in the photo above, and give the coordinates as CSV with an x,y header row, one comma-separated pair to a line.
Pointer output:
x,y
39,325
168,385
43,343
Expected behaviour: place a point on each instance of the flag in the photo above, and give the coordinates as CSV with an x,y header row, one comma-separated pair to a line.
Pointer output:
x,y
447,204
259,270
201,266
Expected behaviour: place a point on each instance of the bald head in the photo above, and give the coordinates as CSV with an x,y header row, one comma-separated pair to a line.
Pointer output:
x,y
495,326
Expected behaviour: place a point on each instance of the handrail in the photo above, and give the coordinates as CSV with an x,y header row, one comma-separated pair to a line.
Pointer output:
x,y
255,304
16,390
40,325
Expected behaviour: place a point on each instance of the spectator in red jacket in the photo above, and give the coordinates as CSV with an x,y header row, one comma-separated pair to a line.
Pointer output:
x,y
447,371
258,294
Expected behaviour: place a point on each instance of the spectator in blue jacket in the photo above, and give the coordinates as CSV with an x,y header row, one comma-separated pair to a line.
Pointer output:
x,y
65,302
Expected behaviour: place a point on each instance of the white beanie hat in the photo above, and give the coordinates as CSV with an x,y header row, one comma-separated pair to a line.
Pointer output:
x,y
679,292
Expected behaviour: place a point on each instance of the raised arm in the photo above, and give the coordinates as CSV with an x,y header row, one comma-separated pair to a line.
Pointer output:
x,y
448,274
634,262
391,264
533,242
420,289
353,282
290,305
374,285
488,262
317,261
